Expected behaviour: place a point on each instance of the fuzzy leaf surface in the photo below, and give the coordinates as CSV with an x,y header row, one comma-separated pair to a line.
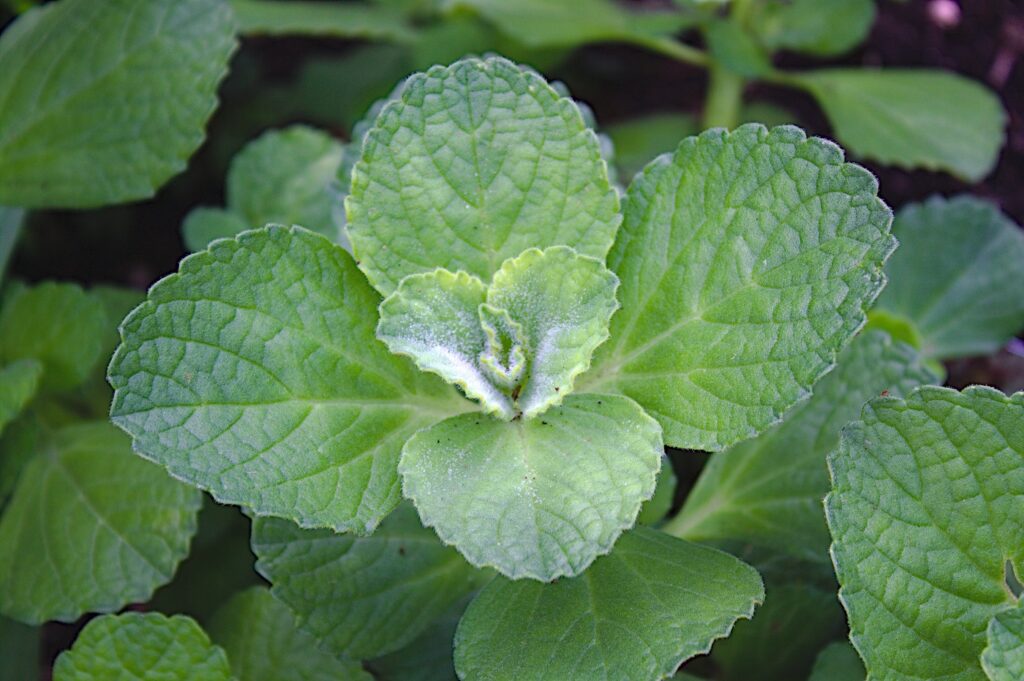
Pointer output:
x,y
254,373
103,102
262,642
142,647
1003,658
363,596
913,118
746,261
472,165
635,615
90,527
927,506
538,498
956,277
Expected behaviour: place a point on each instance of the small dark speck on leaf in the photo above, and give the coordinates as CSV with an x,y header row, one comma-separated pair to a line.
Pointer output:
x,y
401,550
885,393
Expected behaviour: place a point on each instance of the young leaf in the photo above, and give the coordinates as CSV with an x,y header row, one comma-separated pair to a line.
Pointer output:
x,y
329,19
60,325
103,102
204,224
475,163
912,118
636,614
927,507
363,596
537,498
956,278
746,261
142,647
820,27
262,642
18,383
254,373
1003,658
768,491
838,662
90,528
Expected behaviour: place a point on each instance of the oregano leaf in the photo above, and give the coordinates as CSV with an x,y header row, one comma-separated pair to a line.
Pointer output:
x,y
363,596
90,527
262,642
473,164
254,373
103,102
635,614
1003,657
746,261
538,498
925,511
142,647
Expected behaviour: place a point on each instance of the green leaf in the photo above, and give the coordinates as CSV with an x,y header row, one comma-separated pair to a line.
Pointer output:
x,y
60,325
823,28
639,140
746,261
658,506
475,163
254,373
262,642
11,220
428,658
537,498
90,528
19,651
321,18
926,508
204,224
18,383
636,614
103,102
142,647
838,662
912,118
956,277
768,491
730,44
19,443
571,23
1003,658
363,596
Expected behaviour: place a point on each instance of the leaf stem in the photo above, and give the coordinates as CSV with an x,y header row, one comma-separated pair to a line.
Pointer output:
x,y
724,98
674,49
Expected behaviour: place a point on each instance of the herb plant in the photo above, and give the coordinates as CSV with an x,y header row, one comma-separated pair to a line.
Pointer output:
x,y
437,368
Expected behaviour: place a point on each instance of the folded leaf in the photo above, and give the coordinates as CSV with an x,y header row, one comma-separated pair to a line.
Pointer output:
x,y
475,163
956,277
254,373
927,507
260,637
635,615
768,491
363,596
18,383
912,118
746,261
538,498
90,528
141,647
1003,658
103,102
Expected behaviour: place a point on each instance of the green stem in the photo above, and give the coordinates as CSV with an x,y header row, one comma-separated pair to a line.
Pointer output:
x,y
674,49
724,99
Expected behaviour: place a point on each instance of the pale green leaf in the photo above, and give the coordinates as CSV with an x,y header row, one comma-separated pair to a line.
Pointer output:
x,y
768,491
537,498
912,118
475,163
58,324
636,614
90,527
927,507
746,261
204,224
18,383
838,662
19,651
658,506
1003,658
819,27
103,102
254,373
321,18
735,48
956,277
142,647
262,642
363,596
